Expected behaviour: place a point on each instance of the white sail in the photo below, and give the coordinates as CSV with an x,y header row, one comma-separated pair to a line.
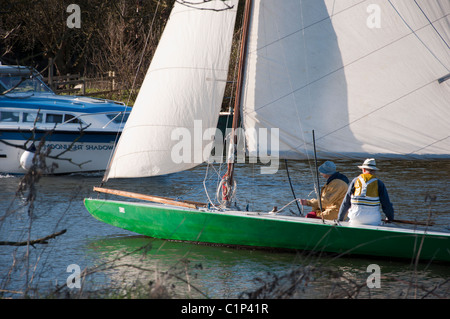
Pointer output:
x,y
181,95
366,76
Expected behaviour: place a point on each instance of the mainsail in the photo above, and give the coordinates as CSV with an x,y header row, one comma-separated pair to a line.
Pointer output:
x,y
368,76
181,95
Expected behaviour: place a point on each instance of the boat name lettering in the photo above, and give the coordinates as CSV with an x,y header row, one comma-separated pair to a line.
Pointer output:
x,y
98,147
78,147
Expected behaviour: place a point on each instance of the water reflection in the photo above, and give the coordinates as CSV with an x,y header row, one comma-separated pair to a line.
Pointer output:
x,y
199,271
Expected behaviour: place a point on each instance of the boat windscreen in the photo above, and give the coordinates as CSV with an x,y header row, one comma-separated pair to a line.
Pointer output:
x,y
10,83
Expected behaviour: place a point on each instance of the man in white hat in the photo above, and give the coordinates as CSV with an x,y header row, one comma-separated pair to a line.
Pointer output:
x,y
365,196
331,194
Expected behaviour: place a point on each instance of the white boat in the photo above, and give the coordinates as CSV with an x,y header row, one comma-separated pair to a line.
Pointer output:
x,y
318,79
78,133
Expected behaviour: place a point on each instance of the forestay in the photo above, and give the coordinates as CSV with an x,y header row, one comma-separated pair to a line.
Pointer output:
x,y
183,86
367,76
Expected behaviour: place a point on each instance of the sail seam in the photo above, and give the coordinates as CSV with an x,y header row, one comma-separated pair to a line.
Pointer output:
x,y
308,26
339,69
415,33
431,144
432,25
377,109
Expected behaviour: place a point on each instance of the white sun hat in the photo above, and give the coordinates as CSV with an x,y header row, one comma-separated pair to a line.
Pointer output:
x,y
369,164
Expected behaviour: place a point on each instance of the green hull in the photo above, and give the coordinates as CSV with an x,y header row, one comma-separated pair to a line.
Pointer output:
x,y
252,229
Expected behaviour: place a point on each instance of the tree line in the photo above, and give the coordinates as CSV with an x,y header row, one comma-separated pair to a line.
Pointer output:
x,y
112,35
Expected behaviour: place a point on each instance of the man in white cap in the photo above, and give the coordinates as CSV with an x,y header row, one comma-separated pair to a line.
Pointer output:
x,y
331,195
365,196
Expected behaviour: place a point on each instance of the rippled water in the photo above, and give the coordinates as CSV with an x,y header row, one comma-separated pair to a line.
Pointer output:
x,y
200,271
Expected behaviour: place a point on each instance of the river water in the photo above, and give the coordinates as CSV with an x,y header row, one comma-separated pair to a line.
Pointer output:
x,y
117,258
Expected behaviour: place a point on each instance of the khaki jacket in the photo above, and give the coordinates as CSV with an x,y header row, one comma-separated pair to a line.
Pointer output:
x,y
332,196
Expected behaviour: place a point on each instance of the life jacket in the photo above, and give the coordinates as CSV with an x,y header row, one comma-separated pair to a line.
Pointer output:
x,y
366,191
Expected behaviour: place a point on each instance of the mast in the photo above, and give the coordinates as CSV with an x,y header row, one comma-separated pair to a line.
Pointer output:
x,y
228,177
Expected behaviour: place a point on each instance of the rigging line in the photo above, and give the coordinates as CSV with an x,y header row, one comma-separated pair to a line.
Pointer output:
x,y
285,64
292,188
431,144
224,164
332,72
216,149
309,91
332,10
233,83
197,6
414,32
431,23
319,194
296,107
231,101
282,208
302,29
205,188
352,62
143,51
238,93
129,96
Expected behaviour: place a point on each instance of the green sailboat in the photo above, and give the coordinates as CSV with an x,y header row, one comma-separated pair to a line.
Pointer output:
x,y
267,230
305,67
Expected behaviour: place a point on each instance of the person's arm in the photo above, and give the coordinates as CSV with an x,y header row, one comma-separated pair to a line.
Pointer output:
x,y
314,203
333,193
386,204
346,203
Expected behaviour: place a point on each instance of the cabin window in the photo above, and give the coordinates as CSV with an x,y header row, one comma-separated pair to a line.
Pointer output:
x,y
54,118
32,117
69,118
118,117
6,116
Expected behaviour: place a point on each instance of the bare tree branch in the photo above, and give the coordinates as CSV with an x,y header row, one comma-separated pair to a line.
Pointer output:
x,y
197,5
42,240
